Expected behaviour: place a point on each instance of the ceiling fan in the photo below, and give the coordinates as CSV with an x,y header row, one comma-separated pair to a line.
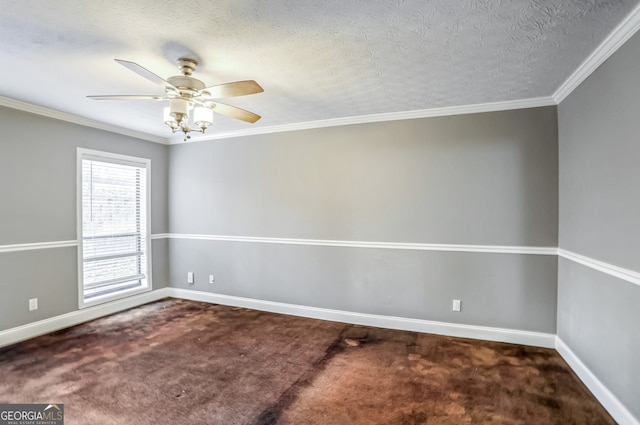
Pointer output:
x,y
187,94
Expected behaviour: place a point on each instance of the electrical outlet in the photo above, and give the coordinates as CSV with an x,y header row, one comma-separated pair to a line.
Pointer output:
x,y
189,277
212,279
456,305
33,304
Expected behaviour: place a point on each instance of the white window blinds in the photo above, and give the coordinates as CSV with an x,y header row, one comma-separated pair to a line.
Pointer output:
x,y
114,227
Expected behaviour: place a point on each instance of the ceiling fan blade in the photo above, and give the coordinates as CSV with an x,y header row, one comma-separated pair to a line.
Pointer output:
x,y
144,72
238,88
130,97
235,112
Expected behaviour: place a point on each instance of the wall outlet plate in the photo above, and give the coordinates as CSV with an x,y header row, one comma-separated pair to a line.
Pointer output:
x,y
189,277
212,279
33,304
456,305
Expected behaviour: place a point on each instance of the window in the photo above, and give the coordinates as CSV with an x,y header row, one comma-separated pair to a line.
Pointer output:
x,y
113,226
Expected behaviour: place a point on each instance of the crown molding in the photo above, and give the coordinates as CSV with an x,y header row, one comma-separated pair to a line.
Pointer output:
x,y
76,119
623,32
387,116
334,122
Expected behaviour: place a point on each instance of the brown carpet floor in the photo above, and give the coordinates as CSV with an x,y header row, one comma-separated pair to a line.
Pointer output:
x,y
183,362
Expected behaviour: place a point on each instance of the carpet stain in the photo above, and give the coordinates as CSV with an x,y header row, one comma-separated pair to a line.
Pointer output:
x,y
271,415
185,362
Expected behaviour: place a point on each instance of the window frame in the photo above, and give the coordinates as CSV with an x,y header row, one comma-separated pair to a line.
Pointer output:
x,y
114,158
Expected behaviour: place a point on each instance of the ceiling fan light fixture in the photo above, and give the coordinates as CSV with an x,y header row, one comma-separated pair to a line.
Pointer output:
x,y
186,93
179,109
169,119
203,117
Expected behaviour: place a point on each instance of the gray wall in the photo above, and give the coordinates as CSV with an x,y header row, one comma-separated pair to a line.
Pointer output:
x,y
599,148
38,204
486,179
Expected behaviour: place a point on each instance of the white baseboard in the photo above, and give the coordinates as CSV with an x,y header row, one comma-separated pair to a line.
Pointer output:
x,y
608,400
537,339
31,330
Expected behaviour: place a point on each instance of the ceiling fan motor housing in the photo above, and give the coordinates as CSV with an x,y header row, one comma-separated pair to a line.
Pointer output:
x,y
188,86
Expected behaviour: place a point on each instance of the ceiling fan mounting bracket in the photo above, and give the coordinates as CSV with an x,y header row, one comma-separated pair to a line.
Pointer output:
x,y
187,66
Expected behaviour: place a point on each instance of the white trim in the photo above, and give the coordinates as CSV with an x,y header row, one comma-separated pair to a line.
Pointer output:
x,y
117,158
623,32
615,271
362,119
537,339
76,119
54,244
31,330
37,245
608,400
382,117
494,249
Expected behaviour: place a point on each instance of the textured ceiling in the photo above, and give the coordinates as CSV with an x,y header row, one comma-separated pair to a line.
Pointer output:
x,y
316,59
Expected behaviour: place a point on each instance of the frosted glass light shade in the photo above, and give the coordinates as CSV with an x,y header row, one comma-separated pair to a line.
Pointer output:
x,y
168,118
179,107
203,116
